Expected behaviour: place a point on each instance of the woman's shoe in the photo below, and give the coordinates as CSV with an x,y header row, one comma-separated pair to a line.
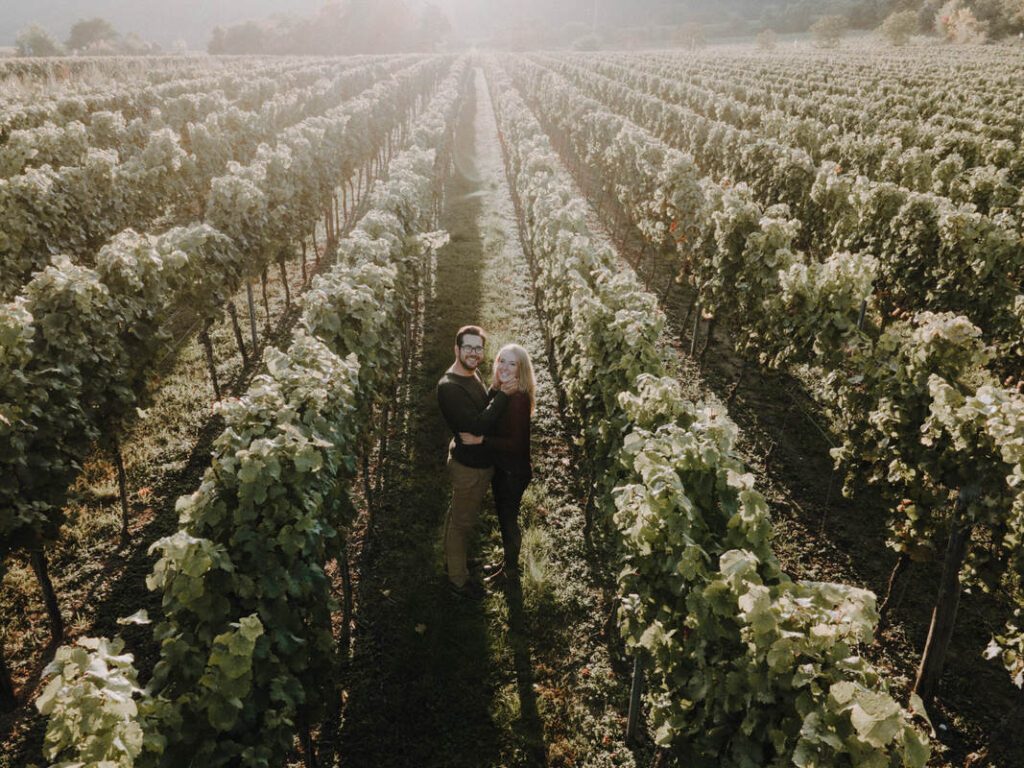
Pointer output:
x,y
471,590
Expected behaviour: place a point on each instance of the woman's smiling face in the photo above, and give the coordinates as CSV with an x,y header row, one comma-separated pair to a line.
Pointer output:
x,y
507,367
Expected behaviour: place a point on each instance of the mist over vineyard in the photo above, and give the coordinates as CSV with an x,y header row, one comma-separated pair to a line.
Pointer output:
x,y
768,262
385,26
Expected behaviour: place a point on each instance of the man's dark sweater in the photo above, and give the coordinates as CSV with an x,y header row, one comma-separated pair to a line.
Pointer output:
x,y
468,407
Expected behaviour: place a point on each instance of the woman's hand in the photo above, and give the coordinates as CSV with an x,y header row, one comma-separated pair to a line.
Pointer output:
x,y
509,387
468,438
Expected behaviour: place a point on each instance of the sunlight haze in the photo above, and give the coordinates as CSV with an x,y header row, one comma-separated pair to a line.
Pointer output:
x,y
193,20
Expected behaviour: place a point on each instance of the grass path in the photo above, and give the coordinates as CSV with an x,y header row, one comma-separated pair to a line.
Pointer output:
x,y
521,678
420,663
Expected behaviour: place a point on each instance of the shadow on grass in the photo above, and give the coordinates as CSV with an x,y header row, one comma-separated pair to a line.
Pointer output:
x,y
529,727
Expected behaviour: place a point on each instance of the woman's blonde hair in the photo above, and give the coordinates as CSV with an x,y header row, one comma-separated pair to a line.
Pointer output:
x,y
527,381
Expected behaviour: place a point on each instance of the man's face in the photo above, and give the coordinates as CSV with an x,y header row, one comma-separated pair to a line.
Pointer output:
x,y
471,352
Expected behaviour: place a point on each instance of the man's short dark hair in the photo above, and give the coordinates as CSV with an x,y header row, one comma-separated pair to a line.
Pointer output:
x,y
470,330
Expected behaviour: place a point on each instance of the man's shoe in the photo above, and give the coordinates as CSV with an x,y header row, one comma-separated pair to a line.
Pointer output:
x,y
506,574
471,590
491,569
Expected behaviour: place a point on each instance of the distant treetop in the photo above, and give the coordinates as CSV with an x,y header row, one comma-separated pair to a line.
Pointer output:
x,y
339,28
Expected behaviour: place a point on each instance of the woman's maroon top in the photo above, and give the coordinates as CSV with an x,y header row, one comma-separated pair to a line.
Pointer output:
x,y
510,442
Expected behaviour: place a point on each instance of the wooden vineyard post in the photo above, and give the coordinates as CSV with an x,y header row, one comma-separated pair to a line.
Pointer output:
x,y
345,638
284,282
122,489
266,301
893,596
367,486
736,384
204,337
588,512
636,690
238,332
663,296
8,701
306,740
382,449
39,567
708,338
696,328
940,632
252,314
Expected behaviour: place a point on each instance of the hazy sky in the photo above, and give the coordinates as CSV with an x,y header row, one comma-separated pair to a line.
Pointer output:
x,y
162,21
165,21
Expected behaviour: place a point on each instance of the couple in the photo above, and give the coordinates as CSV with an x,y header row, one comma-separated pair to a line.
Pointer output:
x,y
490,446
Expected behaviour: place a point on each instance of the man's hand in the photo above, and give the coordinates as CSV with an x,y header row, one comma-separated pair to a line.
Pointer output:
x,y
509,387
468,438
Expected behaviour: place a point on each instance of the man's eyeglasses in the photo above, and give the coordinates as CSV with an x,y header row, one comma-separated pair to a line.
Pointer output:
x,y
468,349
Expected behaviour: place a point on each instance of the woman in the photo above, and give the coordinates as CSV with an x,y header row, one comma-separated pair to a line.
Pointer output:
x,y
509,446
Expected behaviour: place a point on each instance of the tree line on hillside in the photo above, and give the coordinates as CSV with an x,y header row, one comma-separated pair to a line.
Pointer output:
x,y
339,28
345,27
629,24
89,37
625,24
955,21
1000,17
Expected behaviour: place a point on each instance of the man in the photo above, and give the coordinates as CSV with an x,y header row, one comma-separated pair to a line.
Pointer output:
x,y
467,406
